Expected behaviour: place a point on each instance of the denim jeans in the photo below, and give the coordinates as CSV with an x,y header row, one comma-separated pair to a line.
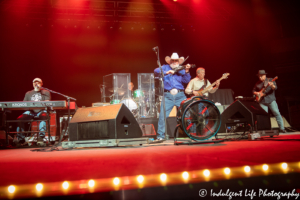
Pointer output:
x,y
170,101
28,115
274,108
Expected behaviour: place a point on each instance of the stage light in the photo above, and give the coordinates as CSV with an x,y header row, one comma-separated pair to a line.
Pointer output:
x,y
116,181
284,166
247,169
206,172
185,175
154,29
11,189
39,187
65,185
265,167
163,177
140,178
227,170
91,183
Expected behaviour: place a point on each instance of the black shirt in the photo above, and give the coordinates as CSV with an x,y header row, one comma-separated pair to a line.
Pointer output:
x,y
270,94
41,95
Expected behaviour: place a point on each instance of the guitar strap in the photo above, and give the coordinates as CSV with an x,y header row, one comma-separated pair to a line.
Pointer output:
x,y
205,84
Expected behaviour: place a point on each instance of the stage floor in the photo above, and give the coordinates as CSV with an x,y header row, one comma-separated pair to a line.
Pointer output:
x,y
21,166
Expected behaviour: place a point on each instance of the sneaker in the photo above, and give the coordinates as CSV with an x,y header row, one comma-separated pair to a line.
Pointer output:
x,y
158,140
40,142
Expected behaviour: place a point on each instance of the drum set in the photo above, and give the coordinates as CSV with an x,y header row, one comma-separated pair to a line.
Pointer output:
x,y
119,89
138,102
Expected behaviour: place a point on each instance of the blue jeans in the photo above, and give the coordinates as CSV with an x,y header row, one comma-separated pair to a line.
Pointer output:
x,y
170,101
274,108
28,115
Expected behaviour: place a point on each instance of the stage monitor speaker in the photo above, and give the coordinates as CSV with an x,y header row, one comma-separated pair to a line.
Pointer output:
x,y
105,122
245,112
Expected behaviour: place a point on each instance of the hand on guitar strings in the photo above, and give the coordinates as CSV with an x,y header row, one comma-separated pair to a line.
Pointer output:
x,y
271,84
217,83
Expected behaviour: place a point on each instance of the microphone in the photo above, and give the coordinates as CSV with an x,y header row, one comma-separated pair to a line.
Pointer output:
x,y
155,48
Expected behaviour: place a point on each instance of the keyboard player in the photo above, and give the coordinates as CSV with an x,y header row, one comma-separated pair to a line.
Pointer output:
x,y
37,94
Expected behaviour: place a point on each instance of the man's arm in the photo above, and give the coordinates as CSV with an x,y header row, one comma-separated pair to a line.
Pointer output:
x,y
254,91
213,90
190,87
272,86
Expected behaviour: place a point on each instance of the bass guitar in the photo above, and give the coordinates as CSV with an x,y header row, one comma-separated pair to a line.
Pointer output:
x,y
202,91
260,94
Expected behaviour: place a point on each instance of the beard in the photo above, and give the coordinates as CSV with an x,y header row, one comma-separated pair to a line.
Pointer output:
x,y
173,66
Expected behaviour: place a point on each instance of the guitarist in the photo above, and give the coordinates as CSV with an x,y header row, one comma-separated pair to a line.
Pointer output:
x,y
200,83
268,99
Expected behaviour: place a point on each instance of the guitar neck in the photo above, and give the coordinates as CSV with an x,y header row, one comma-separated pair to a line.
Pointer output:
x,y
212,85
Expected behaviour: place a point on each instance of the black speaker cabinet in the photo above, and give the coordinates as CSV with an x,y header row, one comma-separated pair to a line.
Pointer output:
x,y
245,112
105,122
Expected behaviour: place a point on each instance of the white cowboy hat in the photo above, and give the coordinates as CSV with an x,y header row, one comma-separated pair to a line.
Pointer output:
x,y
174,57
38,80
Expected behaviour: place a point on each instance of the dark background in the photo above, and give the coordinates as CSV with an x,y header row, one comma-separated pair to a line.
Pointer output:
x,y
71,45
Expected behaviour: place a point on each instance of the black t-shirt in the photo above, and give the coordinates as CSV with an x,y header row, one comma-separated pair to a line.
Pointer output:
x,y
41,95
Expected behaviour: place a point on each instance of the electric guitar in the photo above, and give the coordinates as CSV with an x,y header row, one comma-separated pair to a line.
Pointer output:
x,y
202,91
260,94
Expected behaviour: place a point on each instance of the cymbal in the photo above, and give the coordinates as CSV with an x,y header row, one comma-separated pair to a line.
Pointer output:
x,y
116,90
147,81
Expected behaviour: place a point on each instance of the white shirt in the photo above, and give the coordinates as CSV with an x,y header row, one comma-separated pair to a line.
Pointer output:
x,y
196,84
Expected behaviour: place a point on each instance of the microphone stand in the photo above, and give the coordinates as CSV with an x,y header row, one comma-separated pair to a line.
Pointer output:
x,y
163,92
69,113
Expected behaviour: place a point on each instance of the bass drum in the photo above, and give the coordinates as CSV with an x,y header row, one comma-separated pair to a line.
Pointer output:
x,y
132,106
199,118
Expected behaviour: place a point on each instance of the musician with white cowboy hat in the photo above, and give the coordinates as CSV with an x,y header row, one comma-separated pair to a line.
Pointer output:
x,y
173,88
268,99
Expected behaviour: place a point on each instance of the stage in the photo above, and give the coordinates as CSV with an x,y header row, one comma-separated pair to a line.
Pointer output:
x,y
160,171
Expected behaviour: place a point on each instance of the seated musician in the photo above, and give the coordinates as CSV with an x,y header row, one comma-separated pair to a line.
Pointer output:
x,y
268,99
129,91
199,83
37,94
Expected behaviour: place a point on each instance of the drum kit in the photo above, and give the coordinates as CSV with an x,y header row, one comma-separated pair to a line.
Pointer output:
x,y
138,104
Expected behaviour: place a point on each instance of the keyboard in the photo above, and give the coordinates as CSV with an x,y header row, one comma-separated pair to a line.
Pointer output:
x,y
33,105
